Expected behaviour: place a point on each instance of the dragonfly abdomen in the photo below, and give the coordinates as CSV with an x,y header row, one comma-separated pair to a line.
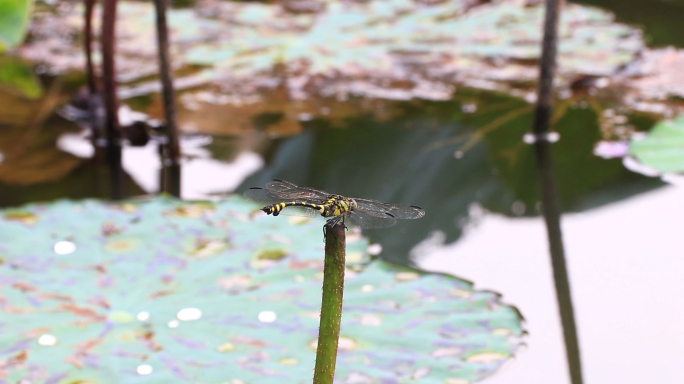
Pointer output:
x,y
275,209
334,206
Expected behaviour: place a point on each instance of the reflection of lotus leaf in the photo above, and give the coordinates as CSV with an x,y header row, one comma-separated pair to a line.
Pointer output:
x,y
392,49
663,148
17,77
158,314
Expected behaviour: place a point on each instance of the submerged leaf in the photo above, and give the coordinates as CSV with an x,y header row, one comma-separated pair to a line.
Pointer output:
x,y
151,312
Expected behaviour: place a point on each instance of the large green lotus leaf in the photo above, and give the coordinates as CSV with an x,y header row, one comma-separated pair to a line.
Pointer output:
x,y
14,17
663,148
166,291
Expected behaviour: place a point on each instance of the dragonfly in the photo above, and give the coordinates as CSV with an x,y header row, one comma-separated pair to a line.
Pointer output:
x,y
290,199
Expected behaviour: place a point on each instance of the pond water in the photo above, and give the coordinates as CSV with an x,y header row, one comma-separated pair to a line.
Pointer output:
x,y
463,161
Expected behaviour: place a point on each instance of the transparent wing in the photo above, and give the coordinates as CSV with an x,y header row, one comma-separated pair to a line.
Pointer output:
x,y
363,219
263,195
287,190
267,196
300,211
399,211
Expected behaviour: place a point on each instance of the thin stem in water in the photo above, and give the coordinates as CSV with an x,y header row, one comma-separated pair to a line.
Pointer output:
x,y
173,150
88,41
548,189
110,98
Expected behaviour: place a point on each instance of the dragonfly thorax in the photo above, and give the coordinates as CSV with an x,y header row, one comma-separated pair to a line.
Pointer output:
x,y
337,205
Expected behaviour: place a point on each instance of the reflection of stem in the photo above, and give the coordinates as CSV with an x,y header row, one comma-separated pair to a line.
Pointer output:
x,y
110,100
480,133
331,304
602,119
549,193
173,149
473,138
559,111
496,107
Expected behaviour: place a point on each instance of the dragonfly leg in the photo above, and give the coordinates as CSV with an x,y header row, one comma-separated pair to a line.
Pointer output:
x,y
328,226
337,220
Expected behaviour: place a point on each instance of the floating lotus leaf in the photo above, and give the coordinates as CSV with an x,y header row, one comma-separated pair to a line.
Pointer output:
x,y
395,49
657,76
167,291
663,148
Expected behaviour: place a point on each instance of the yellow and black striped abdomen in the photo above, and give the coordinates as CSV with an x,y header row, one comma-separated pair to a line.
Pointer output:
x,y
334,206
275,209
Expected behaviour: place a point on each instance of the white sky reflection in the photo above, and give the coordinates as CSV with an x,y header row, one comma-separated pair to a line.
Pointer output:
x,y
625,264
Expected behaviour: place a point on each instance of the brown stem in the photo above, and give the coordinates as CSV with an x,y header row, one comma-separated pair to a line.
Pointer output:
x,y
88,35
548,189
171,126
110,99
94,97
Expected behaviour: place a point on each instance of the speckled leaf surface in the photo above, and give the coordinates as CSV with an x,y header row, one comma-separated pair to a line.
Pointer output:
x,y
165,291
663,148
393,49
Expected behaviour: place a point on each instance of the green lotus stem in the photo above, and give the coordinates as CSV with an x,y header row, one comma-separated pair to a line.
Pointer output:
x,y
331,306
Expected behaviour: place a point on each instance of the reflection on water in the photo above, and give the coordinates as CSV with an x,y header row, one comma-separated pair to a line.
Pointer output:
x,y
452,158
413,158
625,269
660,19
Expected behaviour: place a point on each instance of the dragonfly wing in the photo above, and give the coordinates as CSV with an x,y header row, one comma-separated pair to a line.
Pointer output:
x,y
299,211
399,211
365,220
263,195
287,190
269,197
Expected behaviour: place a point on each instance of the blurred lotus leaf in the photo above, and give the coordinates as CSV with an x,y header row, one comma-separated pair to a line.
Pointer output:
x,y
17,77
392,49
14,17
657,81
663,148
116,293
